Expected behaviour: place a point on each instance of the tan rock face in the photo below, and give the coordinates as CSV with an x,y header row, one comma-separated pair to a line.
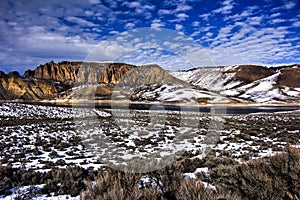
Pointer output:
x,y
25,89
106,73
147,75
62,72
48,80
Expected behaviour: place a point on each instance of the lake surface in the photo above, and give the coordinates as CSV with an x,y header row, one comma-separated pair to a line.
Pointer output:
x,y
231,109
220,110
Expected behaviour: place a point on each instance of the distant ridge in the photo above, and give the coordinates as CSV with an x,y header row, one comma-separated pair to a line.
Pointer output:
x,y
248,82
149,82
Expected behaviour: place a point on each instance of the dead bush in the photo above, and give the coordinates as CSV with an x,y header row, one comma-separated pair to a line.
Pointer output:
x,y
273,178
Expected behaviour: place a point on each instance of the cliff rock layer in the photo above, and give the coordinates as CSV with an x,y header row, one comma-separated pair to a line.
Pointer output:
x,y
54,80
13,86
63,72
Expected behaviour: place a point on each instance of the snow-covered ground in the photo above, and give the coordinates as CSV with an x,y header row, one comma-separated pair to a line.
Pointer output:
x,y
212,79
39,137
180,94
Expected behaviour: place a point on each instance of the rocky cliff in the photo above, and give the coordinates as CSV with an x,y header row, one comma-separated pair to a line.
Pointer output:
x,y
64,72
13,86
102,73
56,80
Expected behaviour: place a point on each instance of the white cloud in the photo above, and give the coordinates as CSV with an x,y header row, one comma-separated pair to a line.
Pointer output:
x,y
45,46
251,33
195,33
296,24
180,17
255,20
129,25
114,32
178,27
226,8
289,5
205,16
164,12
276,21
182,8
242,43
195,23
133,4
94,1
140,8
164,47
157,24
209,34
149,7
80,21
275,15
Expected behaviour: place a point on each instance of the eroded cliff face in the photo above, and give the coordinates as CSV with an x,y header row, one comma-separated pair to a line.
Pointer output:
x,y
147,75
17,87
105,73
64,72
54,80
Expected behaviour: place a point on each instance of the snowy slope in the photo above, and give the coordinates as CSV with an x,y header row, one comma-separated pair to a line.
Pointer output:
x,y
213,78
226,81
179,94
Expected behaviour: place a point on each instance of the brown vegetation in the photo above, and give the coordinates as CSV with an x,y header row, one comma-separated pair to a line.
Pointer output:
x,y
271,178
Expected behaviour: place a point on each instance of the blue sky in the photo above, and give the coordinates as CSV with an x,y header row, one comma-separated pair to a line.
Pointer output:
x,y
227,32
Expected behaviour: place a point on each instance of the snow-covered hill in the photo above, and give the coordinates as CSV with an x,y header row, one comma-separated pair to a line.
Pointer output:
x,y
248,82
177,93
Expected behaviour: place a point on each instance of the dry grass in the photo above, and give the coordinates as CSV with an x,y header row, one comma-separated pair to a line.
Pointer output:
x,y
276,177
271,178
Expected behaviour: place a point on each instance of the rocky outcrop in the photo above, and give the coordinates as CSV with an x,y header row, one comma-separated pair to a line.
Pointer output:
x,y
118,80
148,75
13,86
54,80
105,73
64,72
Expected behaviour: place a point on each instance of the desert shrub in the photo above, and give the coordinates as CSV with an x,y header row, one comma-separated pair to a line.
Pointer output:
x,y
16,177
111,184
165,184
276,177
213,162
273,178
191,189
66,181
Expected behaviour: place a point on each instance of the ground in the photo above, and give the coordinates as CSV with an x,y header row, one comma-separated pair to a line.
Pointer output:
x,y
42,138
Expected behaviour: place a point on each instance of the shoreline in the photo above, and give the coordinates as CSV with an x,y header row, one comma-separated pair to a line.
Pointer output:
x,y
105,103
230,108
